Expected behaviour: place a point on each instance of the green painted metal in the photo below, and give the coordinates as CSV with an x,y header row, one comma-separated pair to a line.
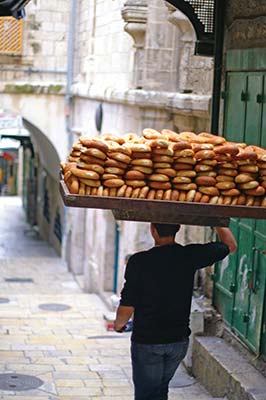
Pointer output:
x,y
239,289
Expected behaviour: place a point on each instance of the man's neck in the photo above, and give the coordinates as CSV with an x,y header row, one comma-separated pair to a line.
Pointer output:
x,y
163,241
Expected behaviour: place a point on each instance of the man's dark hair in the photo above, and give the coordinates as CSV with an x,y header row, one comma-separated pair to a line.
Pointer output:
x,y
165,230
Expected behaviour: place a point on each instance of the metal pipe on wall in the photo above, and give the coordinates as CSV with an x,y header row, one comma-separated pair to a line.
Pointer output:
x,y
70,67
218,64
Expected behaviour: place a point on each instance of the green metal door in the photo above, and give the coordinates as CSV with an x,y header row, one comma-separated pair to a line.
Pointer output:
x,y
239,290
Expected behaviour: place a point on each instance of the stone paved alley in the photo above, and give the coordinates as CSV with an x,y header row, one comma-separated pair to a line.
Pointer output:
x,y
70,351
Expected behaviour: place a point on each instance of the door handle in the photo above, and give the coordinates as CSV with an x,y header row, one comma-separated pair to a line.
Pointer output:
x,y
255,263
260,98
244,96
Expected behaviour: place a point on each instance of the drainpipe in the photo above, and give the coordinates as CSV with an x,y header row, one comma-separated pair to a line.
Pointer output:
x,y
218,64
117,239
70,65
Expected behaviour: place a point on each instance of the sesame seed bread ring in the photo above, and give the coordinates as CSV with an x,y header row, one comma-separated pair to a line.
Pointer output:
x,y
248,185
128,191
221,158
72,159
170,135
197,197
110,162
181,179
225,185
167,195
113,183
224,178
231,149
187,160
114,170
159,194
110,176
113,138
190,137
159,178
174,195
207,173
151,134
100,191
182,196
144,162
209,190
145,170
263,202
230,165
163,152
261,164
183,153
135,183
161,158
136,154
160,185
120,149
190,173
121,157
203,168
75,153
144,192
93,191
214,200
135,175
91,160
250,200
210,138
191,195
105,192
205,198
131,137
185,186
261,153
77,146
243,178
205,181
162,165
96,144
180,145
121,192
212,162
83,173
162,143
91,167
249,168
82,189
182,166
113,192
87,190
263,184
202,146
205,155
136,193
230,192
140,147
247,154
228,172
94,153
166,171
151,194
227,200
90,182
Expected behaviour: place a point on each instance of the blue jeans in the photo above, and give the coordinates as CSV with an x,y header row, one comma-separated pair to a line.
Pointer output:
x,y
153,366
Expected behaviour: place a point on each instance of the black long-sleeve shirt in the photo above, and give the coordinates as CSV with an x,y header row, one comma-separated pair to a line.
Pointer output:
x,y
159,285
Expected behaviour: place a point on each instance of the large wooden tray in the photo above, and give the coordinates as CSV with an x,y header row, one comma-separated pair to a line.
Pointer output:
x,y
163,211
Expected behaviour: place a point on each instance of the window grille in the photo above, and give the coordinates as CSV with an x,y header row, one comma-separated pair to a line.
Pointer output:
x,y
204,9
57,226
46,206
11,36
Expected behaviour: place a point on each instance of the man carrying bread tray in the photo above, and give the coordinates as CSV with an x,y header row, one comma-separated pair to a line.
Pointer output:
x,y
158,290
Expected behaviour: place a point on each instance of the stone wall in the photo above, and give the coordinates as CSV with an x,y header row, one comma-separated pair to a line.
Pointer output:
x,y
245,26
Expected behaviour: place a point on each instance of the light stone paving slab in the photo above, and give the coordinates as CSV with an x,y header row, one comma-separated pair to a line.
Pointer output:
x,y
71,351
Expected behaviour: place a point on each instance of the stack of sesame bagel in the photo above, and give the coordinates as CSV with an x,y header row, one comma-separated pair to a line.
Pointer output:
x,y
166,165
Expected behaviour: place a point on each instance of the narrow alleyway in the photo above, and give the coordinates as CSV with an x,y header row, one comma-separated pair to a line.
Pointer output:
x,y
69,350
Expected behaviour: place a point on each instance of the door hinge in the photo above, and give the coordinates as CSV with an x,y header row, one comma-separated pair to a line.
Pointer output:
x,y
232,287
244,96
260,98
246,317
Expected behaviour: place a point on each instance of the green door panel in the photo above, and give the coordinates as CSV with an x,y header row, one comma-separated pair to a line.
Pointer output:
x,y
243,276
257,292
253,109
225,281
234,122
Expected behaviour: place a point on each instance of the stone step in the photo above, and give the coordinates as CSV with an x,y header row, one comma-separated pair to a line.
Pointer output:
x,y
225,372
